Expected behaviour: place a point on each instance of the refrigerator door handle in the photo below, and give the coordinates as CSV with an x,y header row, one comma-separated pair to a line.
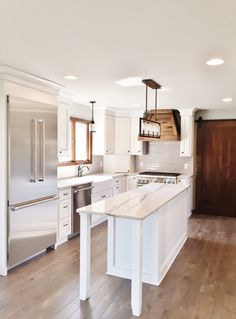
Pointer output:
x,y
33,151
33,203
42,150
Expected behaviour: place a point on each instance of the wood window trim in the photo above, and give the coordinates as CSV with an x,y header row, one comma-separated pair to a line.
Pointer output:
x,y
73,120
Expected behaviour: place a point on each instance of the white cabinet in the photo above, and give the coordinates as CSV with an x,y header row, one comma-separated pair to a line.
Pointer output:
x,y
63,130
110,138
64,215
119,185
100,191
137,147
188,181
187,132
123,135
96,197
131,182
116,190
104,138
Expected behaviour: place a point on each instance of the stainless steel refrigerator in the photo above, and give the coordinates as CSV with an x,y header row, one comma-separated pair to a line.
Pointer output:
x,y
32,178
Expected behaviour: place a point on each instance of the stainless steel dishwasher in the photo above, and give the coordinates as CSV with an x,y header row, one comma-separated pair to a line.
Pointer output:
x,y
81,197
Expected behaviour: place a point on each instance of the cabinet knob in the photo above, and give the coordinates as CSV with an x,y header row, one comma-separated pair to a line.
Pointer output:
x,y
128,151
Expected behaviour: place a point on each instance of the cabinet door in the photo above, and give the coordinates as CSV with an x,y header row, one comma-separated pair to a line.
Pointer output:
x,y
116,190
110,139
122,135
136,146
63,129
123,164
186,144
131,183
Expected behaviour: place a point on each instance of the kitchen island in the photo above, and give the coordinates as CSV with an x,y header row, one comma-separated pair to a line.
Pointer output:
x,y
147,227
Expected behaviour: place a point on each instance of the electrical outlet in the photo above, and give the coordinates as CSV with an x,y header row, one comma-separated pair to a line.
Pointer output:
x,y
101,164
141,164
186,165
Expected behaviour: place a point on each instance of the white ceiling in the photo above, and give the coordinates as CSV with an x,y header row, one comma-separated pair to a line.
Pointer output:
x,y
104,41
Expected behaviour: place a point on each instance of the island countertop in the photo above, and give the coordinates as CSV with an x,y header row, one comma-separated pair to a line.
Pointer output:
x,y
138,203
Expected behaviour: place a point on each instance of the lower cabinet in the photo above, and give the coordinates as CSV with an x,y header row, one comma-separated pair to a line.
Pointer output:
x,y
131,182
99,193
64,215
188,181
116,190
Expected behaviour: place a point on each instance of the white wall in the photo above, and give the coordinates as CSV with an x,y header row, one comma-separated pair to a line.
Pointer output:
x,y
216,114
14,88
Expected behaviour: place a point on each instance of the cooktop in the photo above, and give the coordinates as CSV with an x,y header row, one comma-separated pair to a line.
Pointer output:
x,y
159,174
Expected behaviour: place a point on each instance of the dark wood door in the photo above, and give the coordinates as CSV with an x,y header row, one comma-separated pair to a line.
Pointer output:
x,y
216,168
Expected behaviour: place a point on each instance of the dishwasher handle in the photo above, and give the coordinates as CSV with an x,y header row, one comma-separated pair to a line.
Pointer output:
x,y
82,189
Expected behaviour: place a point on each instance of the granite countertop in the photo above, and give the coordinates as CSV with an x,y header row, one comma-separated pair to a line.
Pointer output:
x,y
137,203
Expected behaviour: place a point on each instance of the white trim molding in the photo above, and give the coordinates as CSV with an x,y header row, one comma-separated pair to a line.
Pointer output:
x,y
19,77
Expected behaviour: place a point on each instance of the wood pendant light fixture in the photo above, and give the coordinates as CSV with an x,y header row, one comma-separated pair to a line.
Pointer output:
x,y
149,129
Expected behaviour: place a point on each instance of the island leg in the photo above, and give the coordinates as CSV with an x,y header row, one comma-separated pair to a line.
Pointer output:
x,y
136,284
85,255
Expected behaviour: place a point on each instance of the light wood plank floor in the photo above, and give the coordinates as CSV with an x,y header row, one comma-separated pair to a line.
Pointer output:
x,y
200,285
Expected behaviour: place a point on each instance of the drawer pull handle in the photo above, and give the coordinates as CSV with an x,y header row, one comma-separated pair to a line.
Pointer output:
x,y
65,225
65,206
64,194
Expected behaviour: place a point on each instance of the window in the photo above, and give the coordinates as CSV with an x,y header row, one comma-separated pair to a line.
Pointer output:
x,y
81,142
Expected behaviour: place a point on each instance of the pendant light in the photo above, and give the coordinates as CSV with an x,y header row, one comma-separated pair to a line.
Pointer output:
x,y
92,123
150,129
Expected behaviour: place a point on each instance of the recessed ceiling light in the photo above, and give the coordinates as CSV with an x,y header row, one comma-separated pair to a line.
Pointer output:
x,y
70,77
134,81
227,99
215,61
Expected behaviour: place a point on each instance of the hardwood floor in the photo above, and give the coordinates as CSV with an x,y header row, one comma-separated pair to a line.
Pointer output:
x,y
201,284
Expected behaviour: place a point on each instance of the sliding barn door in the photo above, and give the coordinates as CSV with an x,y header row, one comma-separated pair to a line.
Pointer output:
x,y
216,168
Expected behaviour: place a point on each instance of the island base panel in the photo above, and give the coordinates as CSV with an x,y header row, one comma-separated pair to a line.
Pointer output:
x,y
163,235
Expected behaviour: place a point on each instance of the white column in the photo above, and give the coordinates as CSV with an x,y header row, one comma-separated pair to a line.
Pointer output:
x,y
110,244
85,255
136,285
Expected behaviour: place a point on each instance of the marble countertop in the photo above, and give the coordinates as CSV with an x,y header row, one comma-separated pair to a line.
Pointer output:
x,y
137,203
94,178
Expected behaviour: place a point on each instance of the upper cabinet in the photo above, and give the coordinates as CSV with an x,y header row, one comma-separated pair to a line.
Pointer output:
x,y
187,132
110,139
104,138
63,129
137,147
123,133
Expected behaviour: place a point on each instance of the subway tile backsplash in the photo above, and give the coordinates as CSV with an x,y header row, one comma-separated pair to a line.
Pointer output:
x,y
71,171
164,156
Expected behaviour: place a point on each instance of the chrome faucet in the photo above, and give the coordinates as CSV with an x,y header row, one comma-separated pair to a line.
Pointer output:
x,y
81,169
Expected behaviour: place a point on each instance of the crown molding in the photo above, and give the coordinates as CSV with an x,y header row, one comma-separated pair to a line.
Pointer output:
x,y
188,111
19,77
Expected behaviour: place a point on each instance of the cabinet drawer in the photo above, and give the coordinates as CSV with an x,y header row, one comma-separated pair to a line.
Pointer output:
x,y
116,189
116,180
64,208
105,194
64,227
65,194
